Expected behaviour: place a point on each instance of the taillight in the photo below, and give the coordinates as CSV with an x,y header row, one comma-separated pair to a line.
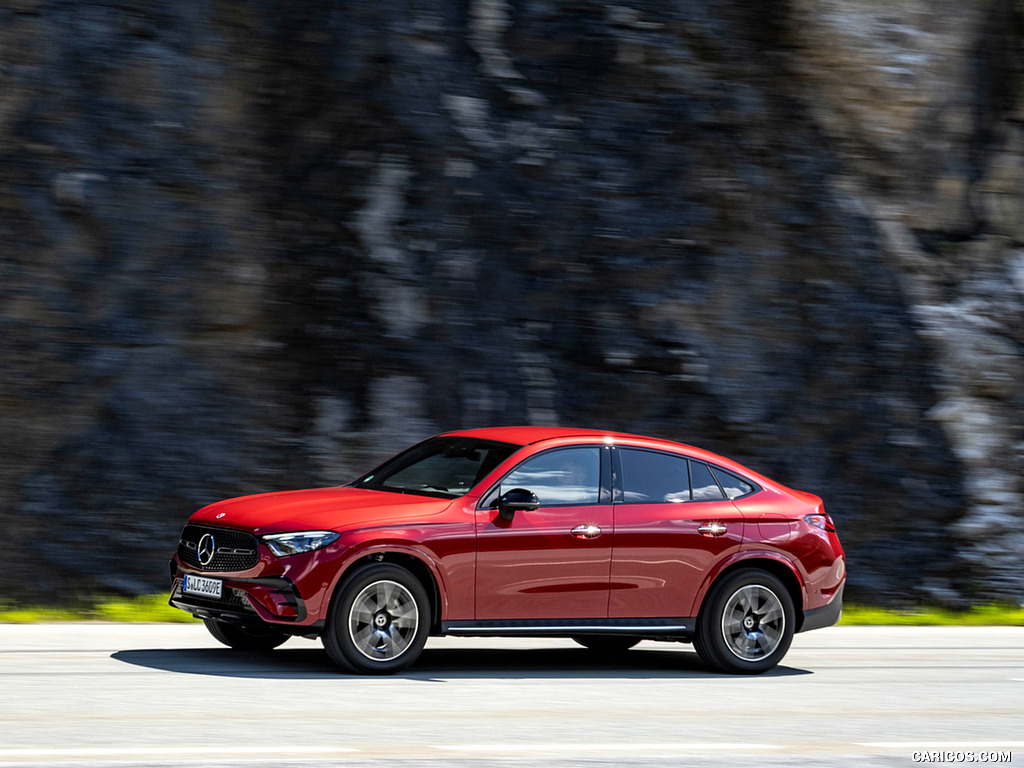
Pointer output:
x,y
821,521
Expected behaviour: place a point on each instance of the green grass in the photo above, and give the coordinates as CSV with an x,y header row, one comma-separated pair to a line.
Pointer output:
x,y
154,608
140,609
921,616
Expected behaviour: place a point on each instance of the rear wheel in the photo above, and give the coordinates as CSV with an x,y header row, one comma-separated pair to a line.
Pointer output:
x,y
379,620
245,638
746,624
606,643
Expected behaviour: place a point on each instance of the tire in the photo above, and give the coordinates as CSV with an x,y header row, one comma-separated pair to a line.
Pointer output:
x,y
379,620
606,643
746,623
247,638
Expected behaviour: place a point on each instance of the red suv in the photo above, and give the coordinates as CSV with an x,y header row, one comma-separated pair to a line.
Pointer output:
x,y
520,531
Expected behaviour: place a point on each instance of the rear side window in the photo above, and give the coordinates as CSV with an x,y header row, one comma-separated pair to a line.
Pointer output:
x,y
733,485
705,487
649,477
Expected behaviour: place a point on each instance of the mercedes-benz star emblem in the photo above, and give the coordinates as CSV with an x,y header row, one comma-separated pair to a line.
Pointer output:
x,y
207,548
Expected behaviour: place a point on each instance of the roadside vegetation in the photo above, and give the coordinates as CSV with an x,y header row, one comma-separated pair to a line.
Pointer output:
x,y
919,616
151,608
154,608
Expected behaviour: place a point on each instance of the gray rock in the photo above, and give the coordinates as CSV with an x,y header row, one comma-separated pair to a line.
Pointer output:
x,y
260,246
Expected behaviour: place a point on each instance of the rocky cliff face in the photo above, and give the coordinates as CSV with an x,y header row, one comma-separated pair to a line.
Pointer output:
x,y
925,102
249,246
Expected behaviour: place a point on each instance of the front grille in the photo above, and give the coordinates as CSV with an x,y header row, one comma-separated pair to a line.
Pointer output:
x,y
231,550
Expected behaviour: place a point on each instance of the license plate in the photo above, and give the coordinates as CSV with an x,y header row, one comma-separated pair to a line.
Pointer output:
x,y
200,585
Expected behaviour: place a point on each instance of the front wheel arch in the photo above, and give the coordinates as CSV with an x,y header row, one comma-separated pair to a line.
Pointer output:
x,y
417,568
370,592
415,563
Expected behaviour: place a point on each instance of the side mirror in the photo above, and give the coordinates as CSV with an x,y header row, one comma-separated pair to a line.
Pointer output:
x,y
517,498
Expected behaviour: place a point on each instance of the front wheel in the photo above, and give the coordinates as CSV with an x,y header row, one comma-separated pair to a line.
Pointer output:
x,y
245,638
746,624
379,620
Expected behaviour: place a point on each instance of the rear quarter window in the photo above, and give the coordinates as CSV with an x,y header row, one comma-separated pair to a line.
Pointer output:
x,y
705,487
735,487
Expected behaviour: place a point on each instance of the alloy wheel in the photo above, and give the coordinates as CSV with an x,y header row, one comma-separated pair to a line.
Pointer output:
x,y
753,622
383,620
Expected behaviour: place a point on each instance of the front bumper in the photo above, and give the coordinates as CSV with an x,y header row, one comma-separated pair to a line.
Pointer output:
x,y
271,600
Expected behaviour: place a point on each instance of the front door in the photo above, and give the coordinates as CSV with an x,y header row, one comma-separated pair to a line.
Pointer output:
x,y
552,562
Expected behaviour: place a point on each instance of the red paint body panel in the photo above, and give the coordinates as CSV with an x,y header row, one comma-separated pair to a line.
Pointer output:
x,y
318,508
815,555
649,561
532,567
659,558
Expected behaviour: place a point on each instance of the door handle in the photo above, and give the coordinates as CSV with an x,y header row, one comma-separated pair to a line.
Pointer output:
x,y
588,531
713,528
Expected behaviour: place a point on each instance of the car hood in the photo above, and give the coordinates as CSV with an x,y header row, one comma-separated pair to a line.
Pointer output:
x,y
319,509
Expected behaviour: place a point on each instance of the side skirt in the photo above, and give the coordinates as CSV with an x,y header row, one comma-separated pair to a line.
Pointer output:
x,y
669,628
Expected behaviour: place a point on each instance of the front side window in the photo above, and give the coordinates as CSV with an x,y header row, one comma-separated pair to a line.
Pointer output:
x,y
649,477
569,476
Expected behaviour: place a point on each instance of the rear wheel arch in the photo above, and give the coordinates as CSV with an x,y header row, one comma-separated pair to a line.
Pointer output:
x,y
776,568
747,622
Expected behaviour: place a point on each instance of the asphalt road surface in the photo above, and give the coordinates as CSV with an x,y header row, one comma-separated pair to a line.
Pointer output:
x,y
169,695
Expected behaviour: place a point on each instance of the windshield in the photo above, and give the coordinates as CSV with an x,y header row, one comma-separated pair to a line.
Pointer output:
x,y
446,467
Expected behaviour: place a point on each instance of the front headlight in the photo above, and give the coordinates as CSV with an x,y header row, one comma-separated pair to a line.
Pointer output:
x,y
284,544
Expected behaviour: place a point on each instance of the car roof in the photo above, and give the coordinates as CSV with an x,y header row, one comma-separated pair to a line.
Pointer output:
x,y
530,435
533,435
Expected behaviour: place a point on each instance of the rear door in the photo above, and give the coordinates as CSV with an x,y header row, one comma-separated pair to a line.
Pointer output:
x,y
673,522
